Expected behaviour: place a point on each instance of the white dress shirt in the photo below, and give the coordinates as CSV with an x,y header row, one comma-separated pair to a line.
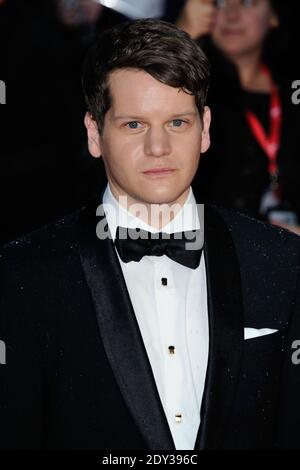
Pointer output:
x,y
172,318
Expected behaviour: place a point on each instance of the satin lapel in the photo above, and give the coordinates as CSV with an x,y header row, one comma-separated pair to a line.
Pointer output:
x,y
121,335
226,330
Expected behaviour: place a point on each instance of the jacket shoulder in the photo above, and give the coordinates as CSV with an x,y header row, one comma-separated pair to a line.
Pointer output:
x,y
254,236
40,259
234,218
61,235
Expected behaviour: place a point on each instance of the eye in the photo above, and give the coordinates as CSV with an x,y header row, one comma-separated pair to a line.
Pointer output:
x,y
248,3
133,125
220,3
178,122
245,3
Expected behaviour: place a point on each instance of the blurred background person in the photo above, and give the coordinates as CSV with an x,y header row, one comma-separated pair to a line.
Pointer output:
x,y
253,164
44,175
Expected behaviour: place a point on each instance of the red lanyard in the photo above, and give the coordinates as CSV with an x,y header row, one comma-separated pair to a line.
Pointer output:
x,y
269,142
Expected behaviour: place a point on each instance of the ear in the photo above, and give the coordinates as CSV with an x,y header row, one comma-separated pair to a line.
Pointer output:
x,y
205,140
93,136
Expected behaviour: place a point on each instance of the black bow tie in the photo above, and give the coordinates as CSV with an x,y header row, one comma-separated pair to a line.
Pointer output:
x,y
183,247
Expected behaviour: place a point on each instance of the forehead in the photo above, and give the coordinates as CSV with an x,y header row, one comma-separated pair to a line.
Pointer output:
x,y
135,91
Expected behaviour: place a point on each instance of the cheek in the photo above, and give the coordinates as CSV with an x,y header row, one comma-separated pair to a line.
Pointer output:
x,y
122,155
133,148
193,152
258,25
190,143
188,153
219,24
263,30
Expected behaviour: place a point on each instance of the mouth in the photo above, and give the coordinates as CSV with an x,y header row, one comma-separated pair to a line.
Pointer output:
x,y
158,172
232,32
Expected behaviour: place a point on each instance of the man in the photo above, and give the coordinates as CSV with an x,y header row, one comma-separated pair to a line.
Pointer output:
x,y
121,335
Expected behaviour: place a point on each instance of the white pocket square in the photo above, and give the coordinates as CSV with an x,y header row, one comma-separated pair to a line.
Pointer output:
x,y
250,333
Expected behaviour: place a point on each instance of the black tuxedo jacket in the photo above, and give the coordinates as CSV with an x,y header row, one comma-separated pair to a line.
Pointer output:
x,y
77,375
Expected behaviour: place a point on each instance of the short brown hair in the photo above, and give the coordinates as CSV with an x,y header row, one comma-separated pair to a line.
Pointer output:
x,y
159,48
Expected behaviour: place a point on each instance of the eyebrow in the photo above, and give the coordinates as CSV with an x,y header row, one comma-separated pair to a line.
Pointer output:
x,y
140,118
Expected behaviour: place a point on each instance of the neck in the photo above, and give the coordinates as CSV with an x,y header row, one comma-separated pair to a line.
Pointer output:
x,y
249,68
157,215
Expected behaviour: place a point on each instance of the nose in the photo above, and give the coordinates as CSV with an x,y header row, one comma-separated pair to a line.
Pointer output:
x,y
232,9
157,143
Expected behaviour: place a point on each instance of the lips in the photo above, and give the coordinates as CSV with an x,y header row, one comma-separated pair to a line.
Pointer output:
x,y
232,32
159,171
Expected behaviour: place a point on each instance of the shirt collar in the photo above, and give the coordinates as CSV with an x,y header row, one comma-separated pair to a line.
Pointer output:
x,y
116,215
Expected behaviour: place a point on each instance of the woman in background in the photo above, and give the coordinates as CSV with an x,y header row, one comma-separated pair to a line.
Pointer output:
x,y
253,164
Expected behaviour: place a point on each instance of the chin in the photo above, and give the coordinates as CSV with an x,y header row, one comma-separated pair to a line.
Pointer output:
x,y
162,197
236,49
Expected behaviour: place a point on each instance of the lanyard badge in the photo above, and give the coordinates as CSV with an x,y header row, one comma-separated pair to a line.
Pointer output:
x,y
271,206
270,142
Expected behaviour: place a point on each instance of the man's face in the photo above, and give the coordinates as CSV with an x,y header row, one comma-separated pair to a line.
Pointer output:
x,y
149,126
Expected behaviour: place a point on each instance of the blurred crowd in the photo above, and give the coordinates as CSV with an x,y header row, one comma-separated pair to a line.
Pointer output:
x,y
253,164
